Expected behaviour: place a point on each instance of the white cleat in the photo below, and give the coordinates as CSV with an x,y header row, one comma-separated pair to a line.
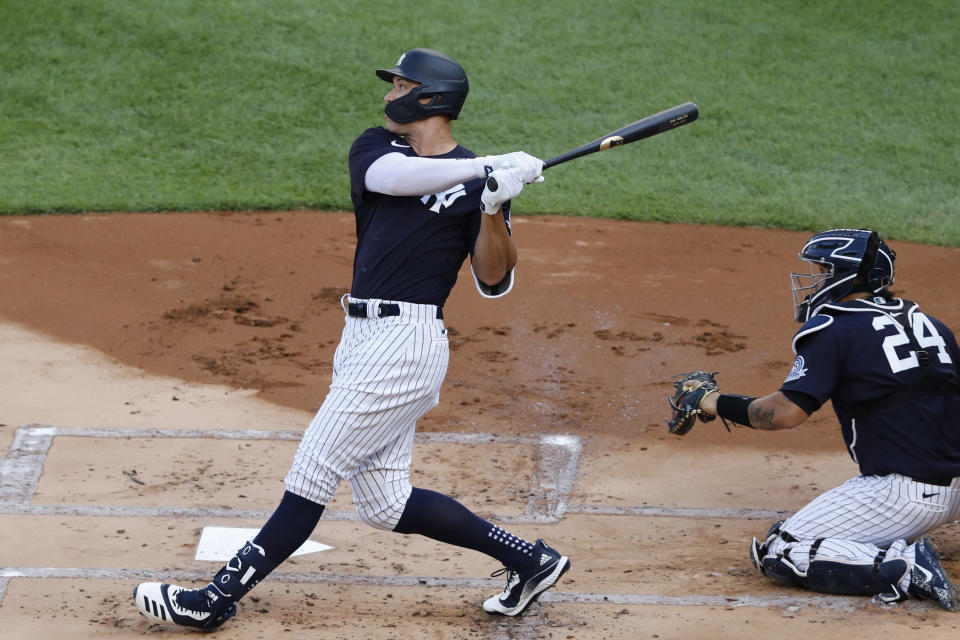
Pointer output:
x,y
205,608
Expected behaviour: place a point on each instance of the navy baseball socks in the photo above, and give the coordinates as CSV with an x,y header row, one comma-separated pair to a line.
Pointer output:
x,y
209,607
531,568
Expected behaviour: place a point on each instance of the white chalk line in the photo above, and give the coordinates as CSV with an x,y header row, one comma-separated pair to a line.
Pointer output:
x,y
556,473
20,471
14,508
680,512
340,579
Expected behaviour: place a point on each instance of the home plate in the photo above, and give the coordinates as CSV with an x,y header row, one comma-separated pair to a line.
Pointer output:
x,y
219,544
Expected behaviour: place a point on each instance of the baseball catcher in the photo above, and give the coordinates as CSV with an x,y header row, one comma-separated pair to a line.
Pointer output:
x,y
892,374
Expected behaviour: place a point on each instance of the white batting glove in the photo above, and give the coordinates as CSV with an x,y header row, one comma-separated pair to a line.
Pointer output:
x,y
509,186
531,166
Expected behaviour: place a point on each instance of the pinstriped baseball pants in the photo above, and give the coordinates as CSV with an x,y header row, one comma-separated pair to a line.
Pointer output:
x,y
387,373
866,514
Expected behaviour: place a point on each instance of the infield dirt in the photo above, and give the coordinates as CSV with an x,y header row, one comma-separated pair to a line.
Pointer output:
x,y
229,321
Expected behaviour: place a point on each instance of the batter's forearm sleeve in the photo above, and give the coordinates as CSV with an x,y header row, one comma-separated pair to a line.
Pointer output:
x,y
398,175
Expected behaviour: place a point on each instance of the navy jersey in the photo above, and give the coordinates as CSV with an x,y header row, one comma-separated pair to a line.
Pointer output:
x,y
855,353
410,248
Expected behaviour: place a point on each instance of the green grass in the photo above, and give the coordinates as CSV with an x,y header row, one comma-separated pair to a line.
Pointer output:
x,y
813,114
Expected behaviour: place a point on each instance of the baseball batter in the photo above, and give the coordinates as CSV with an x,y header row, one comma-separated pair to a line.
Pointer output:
x,y
892,374
422,206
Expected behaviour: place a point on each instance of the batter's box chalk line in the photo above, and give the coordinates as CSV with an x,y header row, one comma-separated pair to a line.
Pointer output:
x,y
558,458
553,479
787,603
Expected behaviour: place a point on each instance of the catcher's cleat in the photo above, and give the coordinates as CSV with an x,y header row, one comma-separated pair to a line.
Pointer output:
x,y
929,580
757,551
523,588
205,608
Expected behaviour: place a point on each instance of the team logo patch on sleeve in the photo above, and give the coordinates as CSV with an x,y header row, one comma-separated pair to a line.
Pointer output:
x,y
798,370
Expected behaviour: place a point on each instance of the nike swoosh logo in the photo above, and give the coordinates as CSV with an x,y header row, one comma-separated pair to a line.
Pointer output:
x,y
927,575
397,144
930,495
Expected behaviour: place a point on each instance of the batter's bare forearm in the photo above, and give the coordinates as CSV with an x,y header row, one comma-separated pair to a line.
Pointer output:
x,y
494,253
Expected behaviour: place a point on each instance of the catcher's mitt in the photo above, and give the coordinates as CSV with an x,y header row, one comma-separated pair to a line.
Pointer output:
x,y
686,399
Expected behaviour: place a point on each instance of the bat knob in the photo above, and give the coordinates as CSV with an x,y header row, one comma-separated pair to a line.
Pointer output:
x,y
492,184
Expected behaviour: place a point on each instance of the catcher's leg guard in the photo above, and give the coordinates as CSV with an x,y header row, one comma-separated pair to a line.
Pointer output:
x,y
781,568
880,578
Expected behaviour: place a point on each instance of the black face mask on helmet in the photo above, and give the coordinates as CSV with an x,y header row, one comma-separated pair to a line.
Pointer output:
x,y
441,79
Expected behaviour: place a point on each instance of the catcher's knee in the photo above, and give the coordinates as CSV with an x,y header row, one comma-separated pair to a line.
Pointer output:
x,y
781,568
760,549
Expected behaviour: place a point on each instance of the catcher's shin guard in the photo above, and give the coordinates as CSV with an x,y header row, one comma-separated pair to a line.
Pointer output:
x,y
827,576
859,579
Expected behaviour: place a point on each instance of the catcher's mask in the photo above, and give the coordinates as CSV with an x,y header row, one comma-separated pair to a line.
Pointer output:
x,y
441,79
842,261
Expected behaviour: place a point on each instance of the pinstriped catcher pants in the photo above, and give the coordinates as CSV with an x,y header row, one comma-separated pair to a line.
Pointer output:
x,y
866,514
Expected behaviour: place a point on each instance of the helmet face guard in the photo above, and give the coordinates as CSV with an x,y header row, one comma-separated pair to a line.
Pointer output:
x,y
807,287
441,79
408,107
850,260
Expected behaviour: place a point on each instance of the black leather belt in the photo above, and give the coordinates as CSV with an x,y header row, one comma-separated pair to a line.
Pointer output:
x,y
385,309
940,482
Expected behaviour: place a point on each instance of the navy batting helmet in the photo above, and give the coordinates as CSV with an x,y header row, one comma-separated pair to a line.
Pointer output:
x,y
441,79
850,260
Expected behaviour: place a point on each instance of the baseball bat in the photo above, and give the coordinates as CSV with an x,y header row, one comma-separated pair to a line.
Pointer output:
x,y
667,120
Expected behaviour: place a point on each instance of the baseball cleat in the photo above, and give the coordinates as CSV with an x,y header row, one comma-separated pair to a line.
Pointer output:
x,y
524,588
929,580
205,608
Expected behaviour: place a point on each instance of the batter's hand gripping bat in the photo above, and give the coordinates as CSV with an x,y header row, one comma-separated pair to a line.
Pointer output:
x,y
644,128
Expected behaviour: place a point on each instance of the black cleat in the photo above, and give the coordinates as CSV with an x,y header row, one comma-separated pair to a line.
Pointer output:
x,y
929,580
524,588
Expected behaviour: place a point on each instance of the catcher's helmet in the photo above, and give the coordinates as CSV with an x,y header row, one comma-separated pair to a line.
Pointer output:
x,y
851,260
441,79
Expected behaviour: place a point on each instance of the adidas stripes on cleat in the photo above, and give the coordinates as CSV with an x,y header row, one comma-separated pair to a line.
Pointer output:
x,y
205,608
523,588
